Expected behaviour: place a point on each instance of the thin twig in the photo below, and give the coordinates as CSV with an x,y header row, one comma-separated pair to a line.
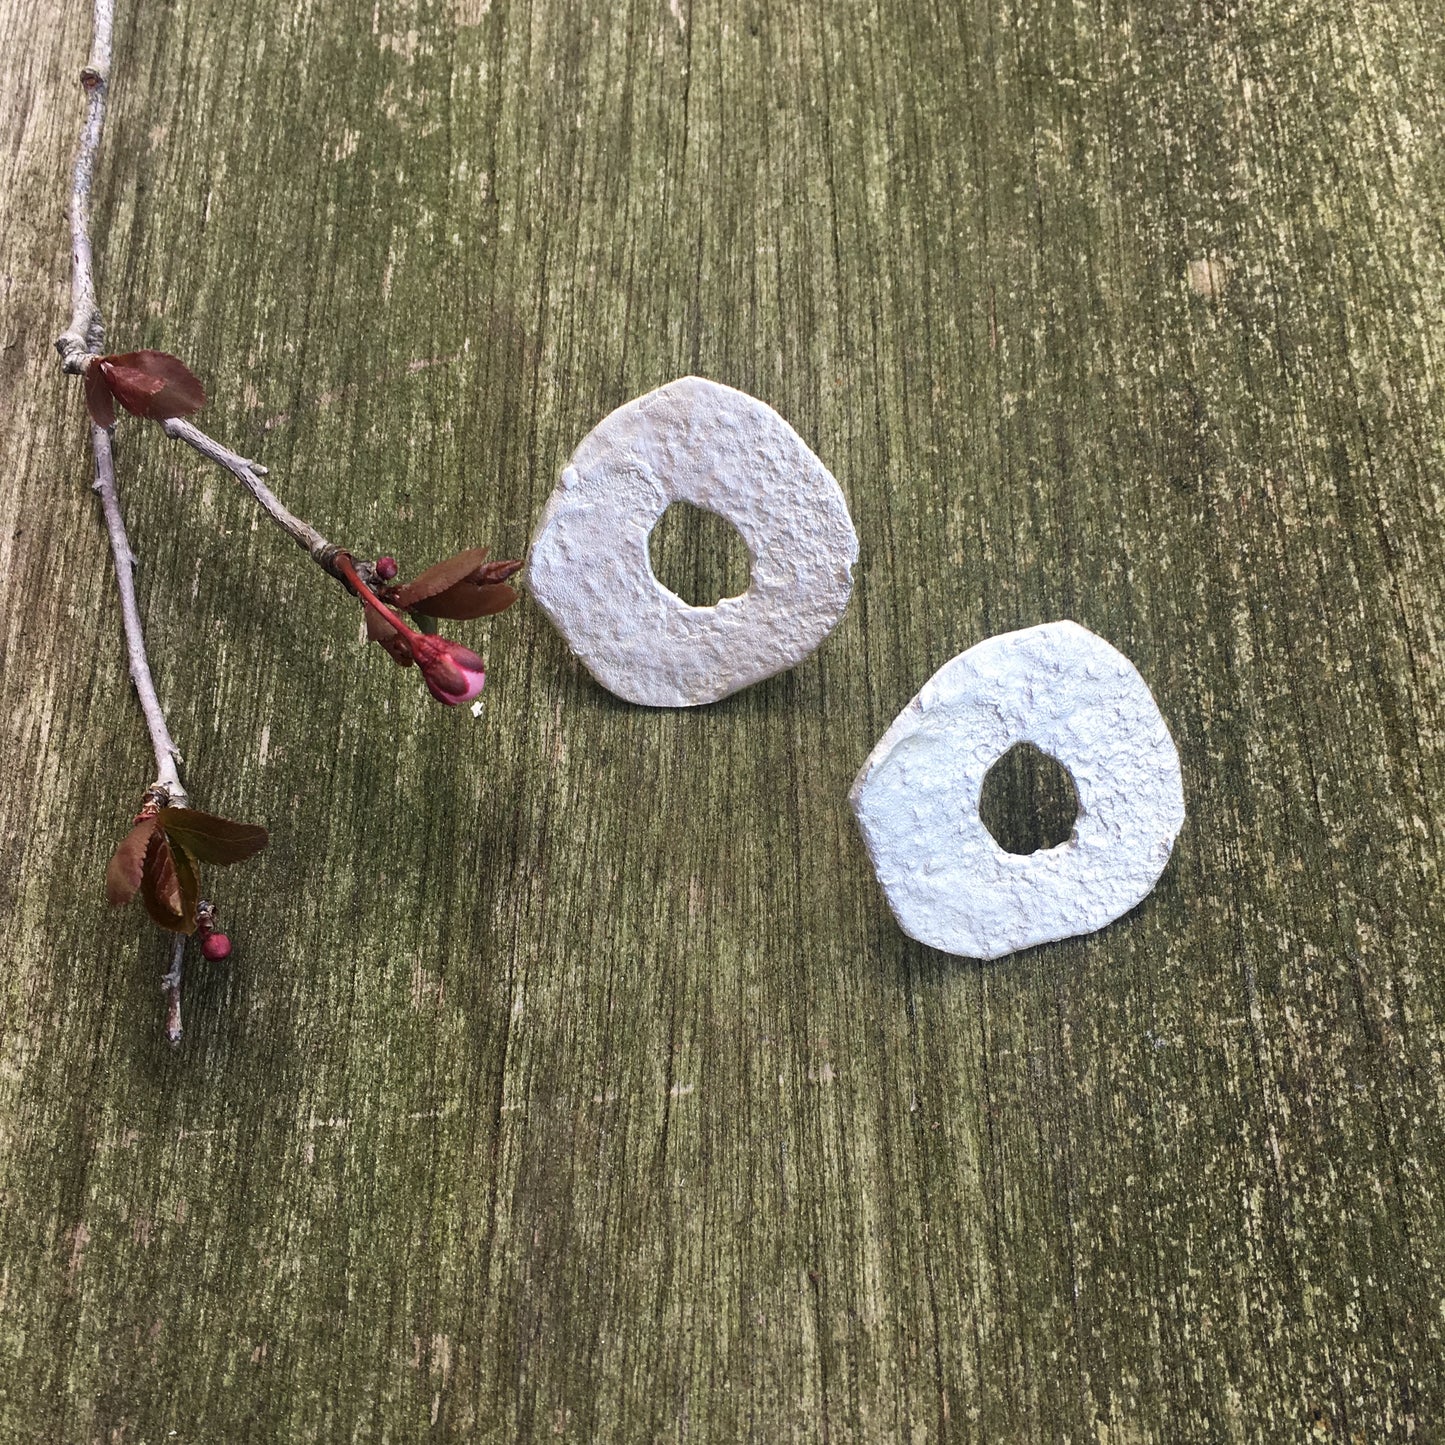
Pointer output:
x,y
84,339
171,986
167,755
249,474
86,334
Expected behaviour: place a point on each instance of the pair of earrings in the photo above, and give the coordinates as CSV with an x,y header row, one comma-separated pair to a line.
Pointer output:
x,y
916,799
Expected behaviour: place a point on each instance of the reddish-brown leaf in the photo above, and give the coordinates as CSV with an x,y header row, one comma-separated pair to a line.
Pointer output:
x,y
153,384
466,600
160,887
189,878
440,577
123,873
133,389
98,400
389,638
212,839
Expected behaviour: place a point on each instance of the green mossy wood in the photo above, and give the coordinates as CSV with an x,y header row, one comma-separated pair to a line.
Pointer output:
x,y
571,1079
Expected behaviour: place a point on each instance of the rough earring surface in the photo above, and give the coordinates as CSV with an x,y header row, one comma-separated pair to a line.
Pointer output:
x,y
694,441
1077,699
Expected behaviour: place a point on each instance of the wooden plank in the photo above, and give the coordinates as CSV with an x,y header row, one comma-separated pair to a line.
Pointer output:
x,y
571,1078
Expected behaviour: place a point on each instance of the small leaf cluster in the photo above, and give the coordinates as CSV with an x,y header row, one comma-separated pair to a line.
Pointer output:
x,y
160,858
460,588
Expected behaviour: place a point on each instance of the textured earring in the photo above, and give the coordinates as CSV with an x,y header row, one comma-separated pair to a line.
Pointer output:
x,y
698,442
1083,703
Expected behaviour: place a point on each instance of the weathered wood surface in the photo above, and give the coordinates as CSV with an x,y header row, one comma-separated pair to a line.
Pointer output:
x,y
572,1080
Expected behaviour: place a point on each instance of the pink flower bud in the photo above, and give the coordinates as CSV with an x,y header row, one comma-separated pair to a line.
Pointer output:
x,y
216,947
452,673
386,568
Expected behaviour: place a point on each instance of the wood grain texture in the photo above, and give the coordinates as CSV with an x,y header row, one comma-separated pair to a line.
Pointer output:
x,y
571,1080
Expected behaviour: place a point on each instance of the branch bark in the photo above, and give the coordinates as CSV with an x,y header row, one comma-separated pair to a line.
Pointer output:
x,y
250,475
171,986
86,335
167,755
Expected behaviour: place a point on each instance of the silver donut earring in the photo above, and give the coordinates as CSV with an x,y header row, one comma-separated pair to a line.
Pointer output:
x,y
1083,703
722,450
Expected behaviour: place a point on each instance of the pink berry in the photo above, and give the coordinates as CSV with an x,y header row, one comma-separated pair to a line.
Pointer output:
x,y
216,947
386,568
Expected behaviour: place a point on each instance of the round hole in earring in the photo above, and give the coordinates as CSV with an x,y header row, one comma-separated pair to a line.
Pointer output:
x,y
698,555
1028,801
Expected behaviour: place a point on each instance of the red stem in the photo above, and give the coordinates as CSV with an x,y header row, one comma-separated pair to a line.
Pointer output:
x,y
343,564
